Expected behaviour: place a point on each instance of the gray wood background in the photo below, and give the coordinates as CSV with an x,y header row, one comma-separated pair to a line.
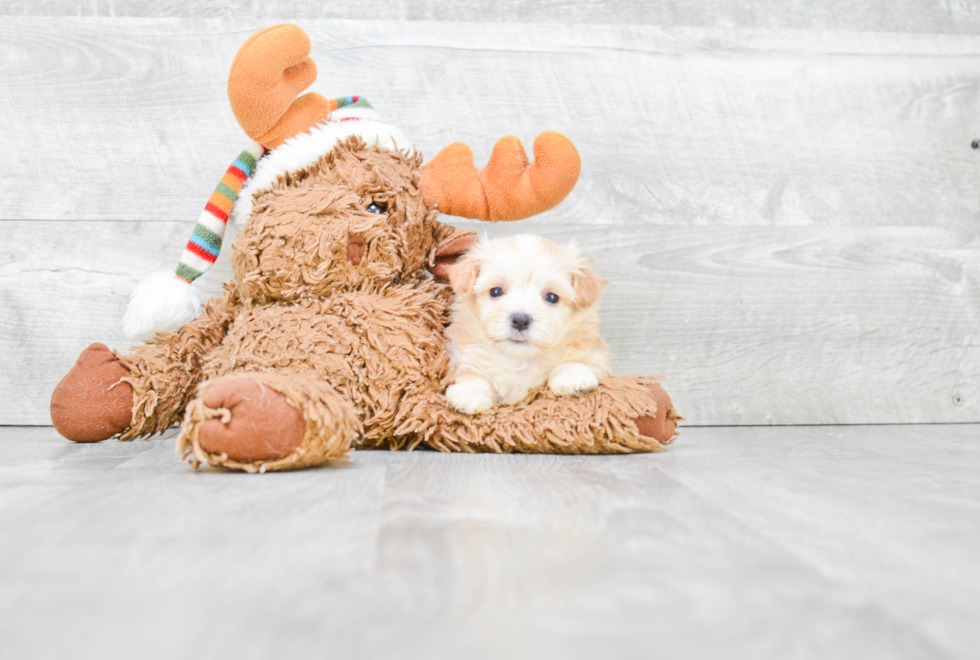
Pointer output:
x,y
783,194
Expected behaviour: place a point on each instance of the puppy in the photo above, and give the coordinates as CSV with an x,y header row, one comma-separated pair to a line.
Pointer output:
x,y
525,314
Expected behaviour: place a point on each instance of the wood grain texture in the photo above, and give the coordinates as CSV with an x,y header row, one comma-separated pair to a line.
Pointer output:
x,y
753,325
788,543
926,16
675,126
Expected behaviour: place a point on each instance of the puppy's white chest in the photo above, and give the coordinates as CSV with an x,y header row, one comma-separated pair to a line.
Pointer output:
x,y
517,377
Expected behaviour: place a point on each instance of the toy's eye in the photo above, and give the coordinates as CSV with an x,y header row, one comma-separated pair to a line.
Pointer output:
x,y
496,292
377,207
551,297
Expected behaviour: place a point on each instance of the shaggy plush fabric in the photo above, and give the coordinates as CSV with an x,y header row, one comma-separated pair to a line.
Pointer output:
x,y
165,372
601,422
294,246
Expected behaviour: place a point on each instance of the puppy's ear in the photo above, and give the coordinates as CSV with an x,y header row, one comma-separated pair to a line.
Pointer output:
x,y
587,285
463,274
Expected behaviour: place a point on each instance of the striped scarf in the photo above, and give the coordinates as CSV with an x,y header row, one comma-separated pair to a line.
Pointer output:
x,y
205,242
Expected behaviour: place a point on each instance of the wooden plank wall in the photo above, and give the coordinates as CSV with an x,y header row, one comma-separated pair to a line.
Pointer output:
x,y
785,198
924,16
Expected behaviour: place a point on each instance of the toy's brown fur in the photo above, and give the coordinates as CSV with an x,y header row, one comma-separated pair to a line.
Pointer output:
x,y
359,348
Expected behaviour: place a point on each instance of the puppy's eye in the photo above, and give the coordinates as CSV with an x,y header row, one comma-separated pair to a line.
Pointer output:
x,y
551,297
496,292
377,207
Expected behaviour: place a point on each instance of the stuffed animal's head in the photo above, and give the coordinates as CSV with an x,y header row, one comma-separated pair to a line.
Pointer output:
x,y
352,220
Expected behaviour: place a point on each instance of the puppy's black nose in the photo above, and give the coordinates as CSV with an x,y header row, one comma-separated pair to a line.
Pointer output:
x,y
520,321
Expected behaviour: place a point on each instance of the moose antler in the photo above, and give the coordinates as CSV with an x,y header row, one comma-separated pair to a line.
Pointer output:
x,y
508,188
270,69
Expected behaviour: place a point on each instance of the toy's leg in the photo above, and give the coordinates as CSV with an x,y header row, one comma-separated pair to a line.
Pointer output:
x,y
106,394
94,401
662,425
624,414
267,421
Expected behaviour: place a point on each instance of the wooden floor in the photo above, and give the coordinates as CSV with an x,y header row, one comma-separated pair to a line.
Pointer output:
x,y
751,542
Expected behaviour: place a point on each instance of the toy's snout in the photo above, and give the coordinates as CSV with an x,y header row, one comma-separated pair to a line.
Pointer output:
x,y
356,247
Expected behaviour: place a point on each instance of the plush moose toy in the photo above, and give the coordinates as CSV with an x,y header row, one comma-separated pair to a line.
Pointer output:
x,y
331,335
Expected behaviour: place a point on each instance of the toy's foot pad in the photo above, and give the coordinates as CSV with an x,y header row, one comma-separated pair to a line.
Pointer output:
x,y
663,426
90,403
254,422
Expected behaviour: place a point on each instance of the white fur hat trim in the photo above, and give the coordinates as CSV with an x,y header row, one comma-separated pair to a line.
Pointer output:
x,y
160,303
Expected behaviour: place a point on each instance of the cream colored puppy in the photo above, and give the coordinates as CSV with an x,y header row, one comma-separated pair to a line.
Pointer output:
x,y
525,314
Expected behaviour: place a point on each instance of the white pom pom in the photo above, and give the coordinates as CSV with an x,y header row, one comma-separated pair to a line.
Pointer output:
x,y
160,303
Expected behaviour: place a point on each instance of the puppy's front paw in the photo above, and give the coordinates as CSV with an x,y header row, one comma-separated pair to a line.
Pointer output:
x,y
470,396
572,379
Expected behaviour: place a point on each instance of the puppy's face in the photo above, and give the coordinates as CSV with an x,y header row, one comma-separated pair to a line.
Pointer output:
x,y
527,293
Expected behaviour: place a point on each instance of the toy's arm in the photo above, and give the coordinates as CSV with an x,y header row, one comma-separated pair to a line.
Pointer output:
x,y
165,372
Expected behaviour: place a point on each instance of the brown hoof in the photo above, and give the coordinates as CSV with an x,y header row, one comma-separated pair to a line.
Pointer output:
x,y
260,425
663,426
90,403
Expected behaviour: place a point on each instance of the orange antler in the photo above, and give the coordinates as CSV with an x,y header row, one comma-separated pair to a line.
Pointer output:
x,y
508,188
270,69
